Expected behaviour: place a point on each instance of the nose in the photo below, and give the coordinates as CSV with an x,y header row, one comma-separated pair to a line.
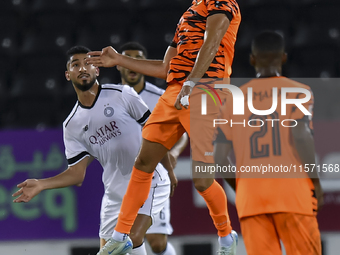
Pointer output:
x,y
82,68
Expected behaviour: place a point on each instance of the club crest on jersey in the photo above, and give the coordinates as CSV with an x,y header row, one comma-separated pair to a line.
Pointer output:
x,y
108,111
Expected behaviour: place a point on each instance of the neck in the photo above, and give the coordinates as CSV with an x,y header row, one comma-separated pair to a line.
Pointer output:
x,y
138,87
87,98
268,72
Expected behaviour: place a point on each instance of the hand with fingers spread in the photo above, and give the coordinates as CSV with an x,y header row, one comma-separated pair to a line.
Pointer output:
x,y
183,95
28,190
108,57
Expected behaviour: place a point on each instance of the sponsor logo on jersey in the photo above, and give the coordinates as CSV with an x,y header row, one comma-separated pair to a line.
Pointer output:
x,y
105,133
108,111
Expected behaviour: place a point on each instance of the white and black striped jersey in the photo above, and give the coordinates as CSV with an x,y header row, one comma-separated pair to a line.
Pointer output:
x,y
110,131
150,94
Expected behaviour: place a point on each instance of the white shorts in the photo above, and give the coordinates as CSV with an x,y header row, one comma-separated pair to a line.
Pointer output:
x,y
161,222
156,201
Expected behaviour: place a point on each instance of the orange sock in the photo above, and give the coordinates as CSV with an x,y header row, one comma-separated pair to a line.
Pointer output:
x,y
216,201
135,196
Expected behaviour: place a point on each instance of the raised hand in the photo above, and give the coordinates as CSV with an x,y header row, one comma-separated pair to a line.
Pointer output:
x,y
108,57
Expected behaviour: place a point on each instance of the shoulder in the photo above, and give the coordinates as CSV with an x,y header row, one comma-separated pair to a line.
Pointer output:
x,y
297,84
152,89
71,115
128,91
113,87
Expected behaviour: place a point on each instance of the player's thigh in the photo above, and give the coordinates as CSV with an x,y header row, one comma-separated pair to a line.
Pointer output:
x,y
150,154
163,125
201,127
299,233
260,236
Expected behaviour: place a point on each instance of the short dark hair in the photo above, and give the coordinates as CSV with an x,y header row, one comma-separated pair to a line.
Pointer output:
x,y
76,50
133,46
268,41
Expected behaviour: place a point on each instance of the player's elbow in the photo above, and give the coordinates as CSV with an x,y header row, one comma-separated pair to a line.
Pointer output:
x,y
79,184
163,71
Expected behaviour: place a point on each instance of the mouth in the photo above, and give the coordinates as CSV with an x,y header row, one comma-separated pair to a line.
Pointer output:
x,y
83,76
132,74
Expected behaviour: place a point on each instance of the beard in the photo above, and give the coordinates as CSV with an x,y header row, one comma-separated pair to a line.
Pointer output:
x,y
132,83
85,86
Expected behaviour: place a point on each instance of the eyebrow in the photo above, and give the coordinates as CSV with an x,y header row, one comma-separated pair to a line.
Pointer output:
x,y
74,60
138,56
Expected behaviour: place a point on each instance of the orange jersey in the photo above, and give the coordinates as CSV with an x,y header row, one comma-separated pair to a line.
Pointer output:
x,y
268,145
189,38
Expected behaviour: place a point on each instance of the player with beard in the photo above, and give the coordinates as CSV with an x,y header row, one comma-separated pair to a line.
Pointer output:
x,y
105,124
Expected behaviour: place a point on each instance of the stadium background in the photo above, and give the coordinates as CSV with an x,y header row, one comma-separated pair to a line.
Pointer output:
x,y
35,98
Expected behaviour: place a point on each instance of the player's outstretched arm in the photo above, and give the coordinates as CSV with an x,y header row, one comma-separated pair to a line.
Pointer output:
x,y
109,57
217,26
304,144
74,175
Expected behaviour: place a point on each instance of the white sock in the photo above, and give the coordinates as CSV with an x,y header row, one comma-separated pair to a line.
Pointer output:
x,y
140,250
226,241
117,236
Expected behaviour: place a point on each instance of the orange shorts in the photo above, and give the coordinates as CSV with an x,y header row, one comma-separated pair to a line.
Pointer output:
x,y
166,124
299,234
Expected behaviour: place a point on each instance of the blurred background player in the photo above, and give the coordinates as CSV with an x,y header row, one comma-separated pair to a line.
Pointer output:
x,y
203,47
161,228
272,209
105,124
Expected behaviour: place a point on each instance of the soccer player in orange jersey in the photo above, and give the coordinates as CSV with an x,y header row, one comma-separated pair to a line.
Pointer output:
x,y
203,47
272,209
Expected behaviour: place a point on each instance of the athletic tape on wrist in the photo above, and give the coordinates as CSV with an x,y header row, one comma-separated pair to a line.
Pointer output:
x,y
185,100
189,83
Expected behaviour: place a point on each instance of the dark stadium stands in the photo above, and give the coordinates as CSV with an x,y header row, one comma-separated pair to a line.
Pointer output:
x,y
35,34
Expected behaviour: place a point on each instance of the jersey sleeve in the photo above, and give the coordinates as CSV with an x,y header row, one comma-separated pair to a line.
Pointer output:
x,y
75,151
136,107
228,7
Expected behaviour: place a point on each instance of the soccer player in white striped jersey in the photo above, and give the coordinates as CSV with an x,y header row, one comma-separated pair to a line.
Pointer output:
x,y
161,228
105,124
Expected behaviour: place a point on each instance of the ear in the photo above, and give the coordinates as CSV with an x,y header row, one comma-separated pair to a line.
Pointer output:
x,y
252,60
67,75
284,58
97,71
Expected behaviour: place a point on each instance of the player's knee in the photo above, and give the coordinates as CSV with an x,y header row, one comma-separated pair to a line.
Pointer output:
x,y
144,164
158,245
201,184
140,162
